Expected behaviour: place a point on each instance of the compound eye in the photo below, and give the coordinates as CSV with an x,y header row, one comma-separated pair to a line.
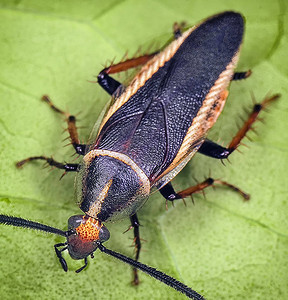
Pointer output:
x,y
75,221
89,232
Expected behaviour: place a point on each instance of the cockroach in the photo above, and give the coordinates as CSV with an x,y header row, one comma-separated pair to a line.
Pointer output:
x,y
151,130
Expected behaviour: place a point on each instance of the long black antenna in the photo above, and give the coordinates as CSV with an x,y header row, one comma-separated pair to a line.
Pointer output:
x,y
170,281
19,222
175,284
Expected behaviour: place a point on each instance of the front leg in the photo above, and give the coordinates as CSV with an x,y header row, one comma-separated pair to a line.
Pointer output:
x,y
51,162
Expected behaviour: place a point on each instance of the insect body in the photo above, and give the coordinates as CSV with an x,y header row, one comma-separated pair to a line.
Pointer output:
x,y
150,132
160,120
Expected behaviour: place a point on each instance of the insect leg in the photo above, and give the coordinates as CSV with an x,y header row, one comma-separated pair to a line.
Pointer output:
x,y
241,75
51,162
169,194
83,267
177,30
109,84
214,150
59,255
72,129
135,224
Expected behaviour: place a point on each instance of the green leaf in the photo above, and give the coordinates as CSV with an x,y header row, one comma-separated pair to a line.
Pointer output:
x,y
221,247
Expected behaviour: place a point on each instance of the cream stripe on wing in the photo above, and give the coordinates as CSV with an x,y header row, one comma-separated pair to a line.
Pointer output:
x,y
146,73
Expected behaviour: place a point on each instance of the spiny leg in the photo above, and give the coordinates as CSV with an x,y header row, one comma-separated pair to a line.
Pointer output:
x,y
51,162
80,148
169,193
137,243
109,84
214,150
72,129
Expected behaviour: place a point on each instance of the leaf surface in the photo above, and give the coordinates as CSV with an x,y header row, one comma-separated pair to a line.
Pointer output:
x,y
221,247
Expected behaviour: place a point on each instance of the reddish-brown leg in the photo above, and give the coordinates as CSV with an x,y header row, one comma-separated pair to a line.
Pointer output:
x,y
169,194
214,150
109,84
137,243
72,129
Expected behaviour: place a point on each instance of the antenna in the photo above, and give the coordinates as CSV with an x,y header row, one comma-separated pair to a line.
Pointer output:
x,y
19,222
170,281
